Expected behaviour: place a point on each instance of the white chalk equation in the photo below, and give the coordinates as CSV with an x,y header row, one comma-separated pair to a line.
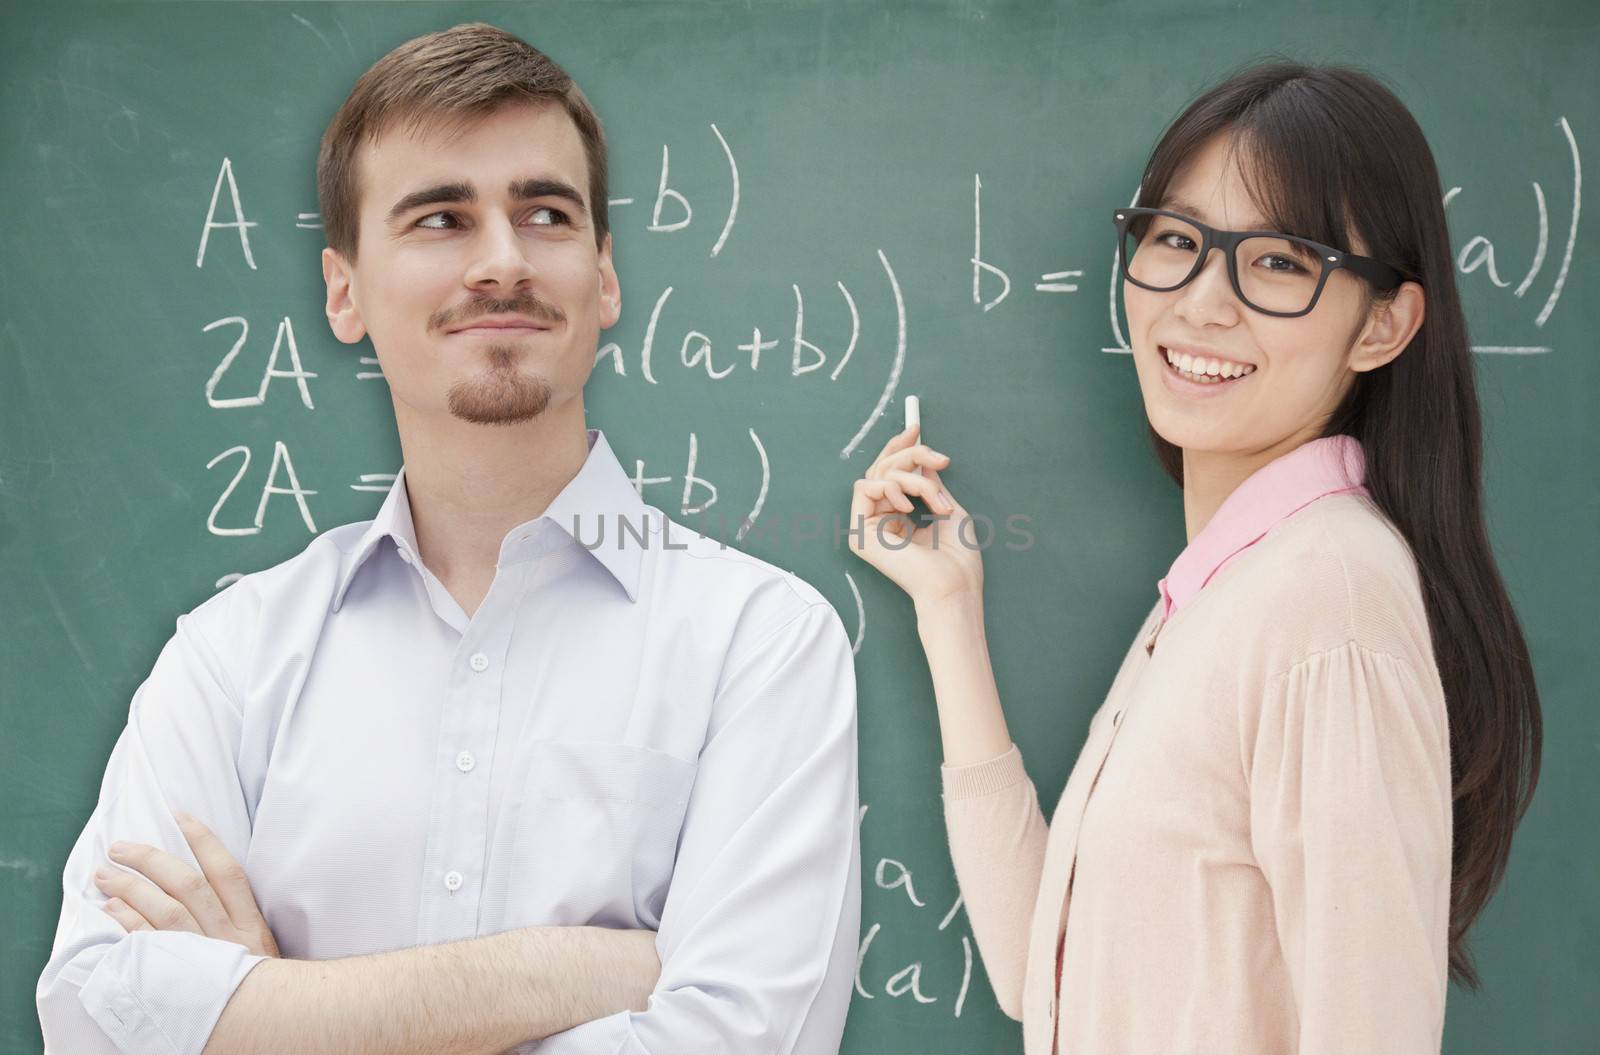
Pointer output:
x,y
283,342
1479,251
888,976
717,359
1047,282
671,212
284,348
691,493
798,355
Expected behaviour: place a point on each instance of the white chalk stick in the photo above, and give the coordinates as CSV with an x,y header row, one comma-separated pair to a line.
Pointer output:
x,y
914,417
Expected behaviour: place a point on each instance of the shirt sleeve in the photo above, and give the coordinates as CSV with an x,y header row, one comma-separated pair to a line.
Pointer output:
x,y
151,992
1349,770
759,931
997,838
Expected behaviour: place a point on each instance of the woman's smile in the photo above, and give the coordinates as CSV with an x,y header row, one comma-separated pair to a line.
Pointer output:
x,y
1200,376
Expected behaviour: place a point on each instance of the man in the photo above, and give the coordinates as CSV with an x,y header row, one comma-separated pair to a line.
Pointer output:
x,y
480,761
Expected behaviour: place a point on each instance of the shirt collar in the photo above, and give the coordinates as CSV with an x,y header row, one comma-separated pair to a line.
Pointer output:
x,y
1331,465
599,508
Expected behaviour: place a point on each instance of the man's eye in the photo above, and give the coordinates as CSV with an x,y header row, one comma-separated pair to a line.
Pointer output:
x,y
546,216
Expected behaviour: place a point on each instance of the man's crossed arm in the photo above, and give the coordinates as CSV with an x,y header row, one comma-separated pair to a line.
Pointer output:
x,y
193,966
479,996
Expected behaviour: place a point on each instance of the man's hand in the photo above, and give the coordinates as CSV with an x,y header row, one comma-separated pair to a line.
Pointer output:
x,y
218,904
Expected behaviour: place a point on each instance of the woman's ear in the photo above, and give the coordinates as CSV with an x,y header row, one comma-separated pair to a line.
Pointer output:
x,y
1389,330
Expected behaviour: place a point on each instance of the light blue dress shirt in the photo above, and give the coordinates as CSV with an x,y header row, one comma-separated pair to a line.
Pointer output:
x,y
638,727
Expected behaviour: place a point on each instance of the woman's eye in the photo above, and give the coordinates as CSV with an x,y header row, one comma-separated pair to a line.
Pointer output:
x,y
1175,240
1281,264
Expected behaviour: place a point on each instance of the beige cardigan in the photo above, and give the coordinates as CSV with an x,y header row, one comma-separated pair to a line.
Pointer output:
x,y
1254,844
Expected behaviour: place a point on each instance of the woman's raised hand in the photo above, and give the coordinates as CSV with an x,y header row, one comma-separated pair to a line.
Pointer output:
x,y
930,563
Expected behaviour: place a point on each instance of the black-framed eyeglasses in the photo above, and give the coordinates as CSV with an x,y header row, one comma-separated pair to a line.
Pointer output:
x,y
1283,275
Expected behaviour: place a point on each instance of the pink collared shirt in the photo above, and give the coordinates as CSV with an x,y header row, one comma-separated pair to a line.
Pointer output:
x,y
1333,465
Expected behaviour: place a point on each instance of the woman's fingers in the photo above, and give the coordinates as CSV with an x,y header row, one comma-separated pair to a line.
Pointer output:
x,y
896,443
925,487
875,498
891,492
865,501
913,457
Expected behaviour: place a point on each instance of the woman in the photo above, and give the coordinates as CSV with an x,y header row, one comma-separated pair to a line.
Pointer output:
x,y
1301,789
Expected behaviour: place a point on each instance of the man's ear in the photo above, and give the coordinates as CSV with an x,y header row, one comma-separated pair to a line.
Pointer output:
x,y
1390,329
610,288
344,318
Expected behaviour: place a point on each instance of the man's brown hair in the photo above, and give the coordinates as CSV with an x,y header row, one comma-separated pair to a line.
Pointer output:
x,y
453,76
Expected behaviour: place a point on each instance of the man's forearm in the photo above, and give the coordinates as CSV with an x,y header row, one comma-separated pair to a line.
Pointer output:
x,y
476,997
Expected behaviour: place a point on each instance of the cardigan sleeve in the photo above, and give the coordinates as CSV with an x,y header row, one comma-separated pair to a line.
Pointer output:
x,y
1348,764
997,841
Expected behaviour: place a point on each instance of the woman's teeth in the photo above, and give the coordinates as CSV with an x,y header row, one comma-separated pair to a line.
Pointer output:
x,y
1206,371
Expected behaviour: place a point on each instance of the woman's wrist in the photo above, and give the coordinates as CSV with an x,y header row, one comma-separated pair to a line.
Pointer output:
x,y
960,608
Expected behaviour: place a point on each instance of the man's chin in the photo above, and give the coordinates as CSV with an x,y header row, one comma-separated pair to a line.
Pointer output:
x,y
500,400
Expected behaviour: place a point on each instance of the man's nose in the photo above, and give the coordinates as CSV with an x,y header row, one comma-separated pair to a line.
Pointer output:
x,y
500,257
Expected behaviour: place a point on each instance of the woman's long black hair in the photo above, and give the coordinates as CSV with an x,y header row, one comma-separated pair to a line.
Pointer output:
x,y
1330,154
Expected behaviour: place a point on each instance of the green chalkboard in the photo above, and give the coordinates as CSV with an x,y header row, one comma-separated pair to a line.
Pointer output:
x,y
770,159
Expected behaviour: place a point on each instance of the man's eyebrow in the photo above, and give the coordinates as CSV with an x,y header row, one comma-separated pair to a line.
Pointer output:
x,y
442,192
521,190
540,187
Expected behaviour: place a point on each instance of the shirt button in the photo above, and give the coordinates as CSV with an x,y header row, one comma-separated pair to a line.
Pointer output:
x,y
465,761
452,880
479,662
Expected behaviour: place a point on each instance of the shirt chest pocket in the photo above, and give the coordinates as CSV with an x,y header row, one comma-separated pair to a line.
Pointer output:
x,y
597,828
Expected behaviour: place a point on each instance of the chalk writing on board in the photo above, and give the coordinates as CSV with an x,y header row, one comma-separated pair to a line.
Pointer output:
x,y
980,266
280,461
1479,251
671,210
1048,282
697,351
861,616
283,340
239,223
899,979
695,496
896,366
689,502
